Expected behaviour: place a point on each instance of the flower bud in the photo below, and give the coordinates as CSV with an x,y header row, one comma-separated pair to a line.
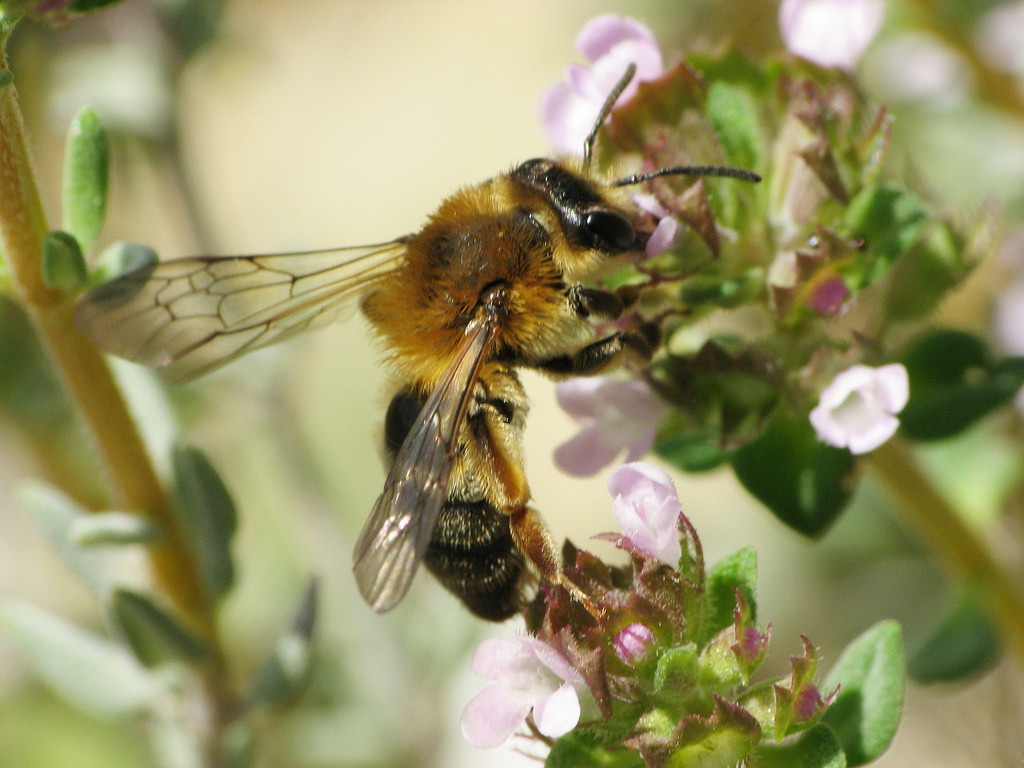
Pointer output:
x,y
633,641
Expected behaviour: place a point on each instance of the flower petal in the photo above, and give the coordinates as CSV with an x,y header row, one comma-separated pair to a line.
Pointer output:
x,y
577,397
663,237
612,43
639,478
602,33
873,435
496,657
566,117
830,32
649,204
893,387
639,447
633,399
858,409
557,714
493,715
648,510
552,659
588,452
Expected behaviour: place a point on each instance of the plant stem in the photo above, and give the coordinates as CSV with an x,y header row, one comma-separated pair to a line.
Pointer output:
x,y
926,513
87,376
23,227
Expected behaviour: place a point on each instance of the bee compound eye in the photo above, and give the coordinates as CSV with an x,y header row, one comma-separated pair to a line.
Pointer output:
x,y
611,228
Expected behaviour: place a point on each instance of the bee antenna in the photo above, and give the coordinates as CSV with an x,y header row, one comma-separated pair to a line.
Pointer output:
x,y
689,170
606,108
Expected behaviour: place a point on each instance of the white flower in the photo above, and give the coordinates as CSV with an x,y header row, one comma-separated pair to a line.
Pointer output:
x,y
648,509
858,409
832,33
530,675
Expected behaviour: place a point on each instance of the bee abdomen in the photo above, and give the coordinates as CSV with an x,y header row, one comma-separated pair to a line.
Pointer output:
x,y
473,555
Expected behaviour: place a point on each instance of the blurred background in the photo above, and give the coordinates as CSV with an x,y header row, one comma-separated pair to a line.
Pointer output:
x,y
261,125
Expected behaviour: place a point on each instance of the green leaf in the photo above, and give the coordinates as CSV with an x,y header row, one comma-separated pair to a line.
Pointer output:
x,y
677,673
286,672
889,221
954,381
6,78
120,258
733,113
867,710
692,452
63,263
923,276
153,634
963,643
805,483
720,740
720,291
57,516
207,515
570,752
737,571
817,747
722,398
86,167
93,674
86,6
103,528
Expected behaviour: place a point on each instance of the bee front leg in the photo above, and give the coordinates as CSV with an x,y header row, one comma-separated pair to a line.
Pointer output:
x,y
593,358
593,302
533,539
596,302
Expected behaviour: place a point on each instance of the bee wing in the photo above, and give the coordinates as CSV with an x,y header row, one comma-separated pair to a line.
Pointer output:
x,y
395,536
187,316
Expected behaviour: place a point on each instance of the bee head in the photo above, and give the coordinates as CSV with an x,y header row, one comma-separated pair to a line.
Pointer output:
x,y
587,219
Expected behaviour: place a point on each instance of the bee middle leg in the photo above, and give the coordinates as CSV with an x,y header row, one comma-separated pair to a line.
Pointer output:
x,y
593,358
533,539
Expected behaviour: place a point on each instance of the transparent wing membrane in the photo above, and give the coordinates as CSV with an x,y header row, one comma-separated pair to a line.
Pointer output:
x,y
396,535
187,316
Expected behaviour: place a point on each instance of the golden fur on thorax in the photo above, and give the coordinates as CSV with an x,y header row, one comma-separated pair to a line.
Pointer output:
x,y
476,238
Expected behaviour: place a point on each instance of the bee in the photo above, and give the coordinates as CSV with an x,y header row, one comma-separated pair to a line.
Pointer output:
x,y
496,280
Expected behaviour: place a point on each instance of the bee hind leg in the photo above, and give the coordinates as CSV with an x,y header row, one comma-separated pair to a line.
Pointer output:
x,y
533,538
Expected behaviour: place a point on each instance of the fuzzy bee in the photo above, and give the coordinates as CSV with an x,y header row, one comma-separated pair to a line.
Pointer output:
x,y
495,281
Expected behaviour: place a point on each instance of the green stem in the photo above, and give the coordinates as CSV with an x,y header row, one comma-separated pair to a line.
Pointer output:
x,y
926,513
88,379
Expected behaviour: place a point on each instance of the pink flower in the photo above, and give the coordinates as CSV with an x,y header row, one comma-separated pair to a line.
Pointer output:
x,y
828,296
667,230
832,33
648,509
615,415
530,676
858,409
611,43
